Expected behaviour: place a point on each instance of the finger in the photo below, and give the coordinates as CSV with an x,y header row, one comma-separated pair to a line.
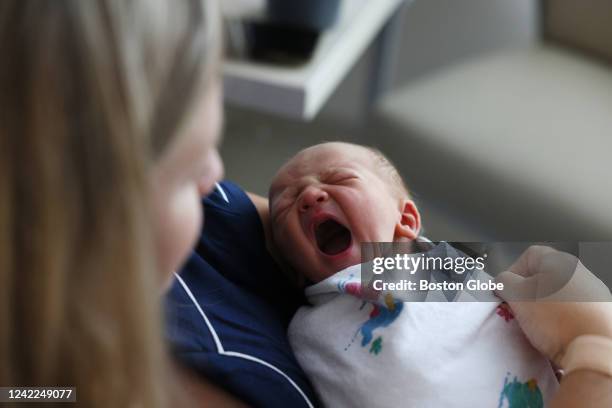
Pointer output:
x,y
528,263
582,286
516,287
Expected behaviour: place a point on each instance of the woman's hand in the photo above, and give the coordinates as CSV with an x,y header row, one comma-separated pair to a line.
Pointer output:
x,y
556,299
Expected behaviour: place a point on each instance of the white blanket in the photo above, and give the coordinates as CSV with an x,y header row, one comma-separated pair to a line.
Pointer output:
x,y
387,353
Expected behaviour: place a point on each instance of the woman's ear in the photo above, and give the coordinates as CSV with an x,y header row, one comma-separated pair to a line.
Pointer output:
x,y
409,224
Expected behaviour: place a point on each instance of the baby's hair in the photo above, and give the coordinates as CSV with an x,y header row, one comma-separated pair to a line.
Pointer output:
x,y
389,172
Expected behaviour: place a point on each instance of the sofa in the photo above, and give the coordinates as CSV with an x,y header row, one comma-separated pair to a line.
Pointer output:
x,y
518,141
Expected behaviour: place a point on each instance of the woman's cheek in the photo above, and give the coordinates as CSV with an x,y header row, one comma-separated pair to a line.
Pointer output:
x,y
181,228
192,218
212,174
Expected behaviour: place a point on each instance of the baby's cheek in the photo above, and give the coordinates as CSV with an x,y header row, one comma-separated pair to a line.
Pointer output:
x,y
292,245
389,216
285,240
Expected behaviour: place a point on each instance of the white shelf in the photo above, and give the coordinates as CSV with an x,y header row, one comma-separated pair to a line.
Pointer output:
x,y
301,92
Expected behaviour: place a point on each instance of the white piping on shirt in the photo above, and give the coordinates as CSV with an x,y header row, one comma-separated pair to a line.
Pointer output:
x,y
221,350
222,192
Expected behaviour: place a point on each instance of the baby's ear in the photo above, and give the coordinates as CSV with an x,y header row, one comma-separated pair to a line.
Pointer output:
x,y
409,224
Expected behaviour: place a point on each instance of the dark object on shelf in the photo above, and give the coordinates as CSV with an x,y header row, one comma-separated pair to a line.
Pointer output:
x,y
279,43
315,15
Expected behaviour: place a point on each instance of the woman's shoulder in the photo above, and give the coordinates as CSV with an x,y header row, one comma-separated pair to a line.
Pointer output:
x,y
229,306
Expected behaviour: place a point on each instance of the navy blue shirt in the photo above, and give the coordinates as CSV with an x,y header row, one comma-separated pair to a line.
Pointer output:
x,y
228,309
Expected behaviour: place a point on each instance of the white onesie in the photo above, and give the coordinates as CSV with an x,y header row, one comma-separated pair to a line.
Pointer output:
x,y
391,353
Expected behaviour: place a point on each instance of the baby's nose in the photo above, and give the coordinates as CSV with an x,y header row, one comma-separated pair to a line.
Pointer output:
x,y
311,196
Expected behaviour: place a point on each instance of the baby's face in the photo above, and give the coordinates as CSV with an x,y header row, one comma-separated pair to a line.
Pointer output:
x,y
325,202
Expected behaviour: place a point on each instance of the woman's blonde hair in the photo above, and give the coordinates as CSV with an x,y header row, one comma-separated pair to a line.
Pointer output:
x,y
91,92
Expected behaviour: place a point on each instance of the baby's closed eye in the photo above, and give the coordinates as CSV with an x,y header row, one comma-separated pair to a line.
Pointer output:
x,y
339,177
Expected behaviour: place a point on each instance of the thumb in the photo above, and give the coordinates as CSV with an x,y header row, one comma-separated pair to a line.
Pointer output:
x,y
516,287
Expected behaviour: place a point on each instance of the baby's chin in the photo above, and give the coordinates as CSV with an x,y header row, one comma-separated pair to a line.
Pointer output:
x,y
353,257
317,276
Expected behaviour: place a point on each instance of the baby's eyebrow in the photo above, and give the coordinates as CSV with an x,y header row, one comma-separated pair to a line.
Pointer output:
x,y
334,170
321,175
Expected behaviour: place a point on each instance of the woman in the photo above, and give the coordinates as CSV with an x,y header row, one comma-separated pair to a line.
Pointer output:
x,y
110,114
109,119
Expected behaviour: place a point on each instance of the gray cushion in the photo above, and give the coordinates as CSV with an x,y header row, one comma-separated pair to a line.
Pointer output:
x,y
533,126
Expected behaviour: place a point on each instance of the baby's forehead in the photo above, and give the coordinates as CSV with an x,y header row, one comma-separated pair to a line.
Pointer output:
x,y
320,159
326,154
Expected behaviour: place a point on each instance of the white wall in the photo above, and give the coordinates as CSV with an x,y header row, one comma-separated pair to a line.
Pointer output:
x,y
437,33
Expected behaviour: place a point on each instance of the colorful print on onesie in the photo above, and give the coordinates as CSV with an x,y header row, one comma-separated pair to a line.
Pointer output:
x,y
366,349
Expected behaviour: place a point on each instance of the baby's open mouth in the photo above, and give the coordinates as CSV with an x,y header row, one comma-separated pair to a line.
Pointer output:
x,y
332,237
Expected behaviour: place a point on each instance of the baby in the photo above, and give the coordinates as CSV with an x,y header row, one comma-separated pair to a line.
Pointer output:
x,y
360,351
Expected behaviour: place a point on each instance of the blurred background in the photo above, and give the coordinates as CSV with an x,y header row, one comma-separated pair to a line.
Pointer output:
x,y
497,113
